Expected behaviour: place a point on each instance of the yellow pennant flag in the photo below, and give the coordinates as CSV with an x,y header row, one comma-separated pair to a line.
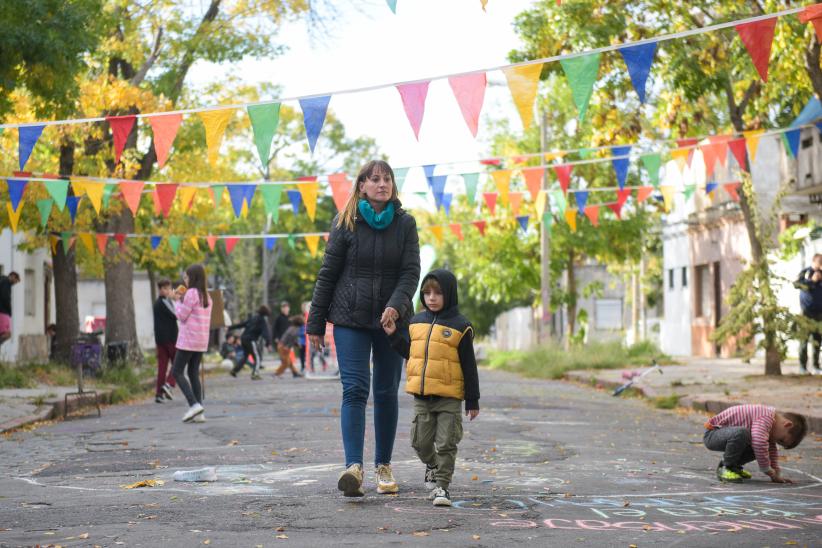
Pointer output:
x,y
542,198
522,81
186,194
551,156
195,242
667,195
312,241
79,187
308,192
502,178
53,241
215,122
244,210
752,140
14,216
88,241
571,218
437,230
94,191
681,156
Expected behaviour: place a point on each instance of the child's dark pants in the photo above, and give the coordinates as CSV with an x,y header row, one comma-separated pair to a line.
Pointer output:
x,y
735,441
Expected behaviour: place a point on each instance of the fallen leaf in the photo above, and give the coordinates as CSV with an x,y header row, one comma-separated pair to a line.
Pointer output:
x,y
233,442
420,533
626,503
647,528
207,541
84,536
475,537
143,483
280,529
282,536
474,477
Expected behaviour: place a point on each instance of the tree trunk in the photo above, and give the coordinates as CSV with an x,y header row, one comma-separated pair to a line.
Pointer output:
x,y
65,279
120,324
773,361
571,282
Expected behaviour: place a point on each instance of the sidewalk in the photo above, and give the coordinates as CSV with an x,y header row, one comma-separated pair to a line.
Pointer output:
x,y
714,384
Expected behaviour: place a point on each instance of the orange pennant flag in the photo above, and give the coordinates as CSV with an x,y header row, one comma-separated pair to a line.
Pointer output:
x,y
502,179
733,190
102,240
312,241
215,122
165,128
515,199
308,192
212,241
456,229
522,81
533,180
437,230
643,193
490,200
571,218
813,14
132,191
341,187
592,212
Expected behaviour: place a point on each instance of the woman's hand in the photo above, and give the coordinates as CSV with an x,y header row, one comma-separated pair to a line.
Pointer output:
x,y
389,328
317,341
389,316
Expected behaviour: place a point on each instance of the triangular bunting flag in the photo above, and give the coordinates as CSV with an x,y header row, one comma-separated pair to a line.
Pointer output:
x,y
217,194
792,138
108,190
738,149
668,196
540,202
155,241
523,222
502,180
617,209
571,218
733,190
308,192
272,196
581,197
758,37
563,172
652,163
102,240
623,195
399,177
195,242
480,226
165,196
28,136
688,191
121,240
230,242
187,197
813,14
16,189
560,203
164,127
621,164
582,73
392,5
639,59
88,241
437,183
490,200
515,199
44,206
341,187
446,203
710,187
269,242
215,122
95,191
522,81
469,90
429,171
642,193
710,154
212,241
413,101
72,202
752,140
264,122
471,181
132,191
295,198
237,195
174,244
533,180
312,241
437,230
456,229
53,241
547,221
68,241
592,212
121,127
248,196
58,190
14,216
314,110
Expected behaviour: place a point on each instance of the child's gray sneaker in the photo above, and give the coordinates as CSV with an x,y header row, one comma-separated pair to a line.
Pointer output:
x,y
430,481
441,497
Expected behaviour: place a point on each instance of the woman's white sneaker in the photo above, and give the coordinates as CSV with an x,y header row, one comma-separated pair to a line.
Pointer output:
x,y
192,412
386,484
199,418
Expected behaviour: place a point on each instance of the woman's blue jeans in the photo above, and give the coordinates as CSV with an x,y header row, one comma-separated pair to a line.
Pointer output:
x,y
354,352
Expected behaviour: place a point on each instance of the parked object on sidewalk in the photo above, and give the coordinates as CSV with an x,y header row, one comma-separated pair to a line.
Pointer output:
x,y
85,355
209,473
635,379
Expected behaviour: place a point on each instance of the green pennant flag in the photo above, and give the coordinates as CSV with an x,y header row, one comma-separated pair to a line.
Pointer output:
x,y
392,5
66,237
58,190
264,122
547,221
585,153
45,210
688,191
582,73
400,174
272,194
218,193
652,163
292,241
559,201
174,243
107,191
471,181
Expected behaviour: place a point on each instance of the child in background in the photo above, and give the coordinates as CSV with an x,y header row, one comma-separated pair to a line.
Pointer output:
x,y
750,432
290,340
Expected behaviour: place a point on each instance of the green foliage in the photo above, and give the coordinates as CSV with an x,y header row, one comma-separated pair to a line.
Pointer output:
x,y
14,377
666,402
126,382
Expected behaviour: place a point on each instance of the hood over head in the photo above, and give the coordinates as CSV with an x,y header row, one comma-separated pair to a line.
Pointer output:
x,y
448,283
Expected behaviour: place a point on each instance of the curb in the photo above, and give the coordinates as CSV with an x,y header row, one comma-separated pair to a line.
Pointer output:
x,y
52,410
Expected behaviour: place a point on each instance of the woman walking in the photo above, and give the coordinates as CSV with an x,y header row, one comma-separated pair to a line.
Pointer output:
x,y
369,275
193,309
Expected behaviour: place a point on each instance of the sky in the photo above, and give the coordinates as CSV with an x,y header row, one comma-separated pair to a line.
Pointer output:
x,y
368,45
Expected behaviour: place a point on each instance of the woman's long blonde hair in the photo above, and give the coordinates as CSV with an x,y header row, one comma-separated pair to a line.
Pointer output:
x,y
349,213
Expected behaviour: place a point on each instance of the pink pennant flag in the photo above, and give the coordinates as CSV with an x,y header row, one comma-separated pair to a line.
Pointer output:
x,y
710,154
515,199
102,240
490,200
230,242
758,37
563,172
643,192
132,191
469,90
456,229
212,241
480,226
413,100
533,180
165,196
622,196
165,128
733,190
121,126
740,152
341,187
617,209
592,212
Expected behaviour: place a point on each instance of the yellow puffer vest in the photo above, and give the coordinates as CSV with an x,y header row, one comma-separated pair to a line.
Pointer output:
x,y
433,367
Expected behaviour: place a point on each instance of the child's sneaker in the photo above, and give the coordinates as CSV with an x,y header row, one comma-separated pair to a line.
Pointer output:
x,y
256,377
441,497
167,392
199,418
726,474
430,481
350,482
742,472
385,480
192,412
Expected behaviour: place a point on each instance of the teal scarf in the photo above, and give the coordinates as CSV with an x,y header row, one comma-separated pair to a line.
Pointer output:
x,y
377,221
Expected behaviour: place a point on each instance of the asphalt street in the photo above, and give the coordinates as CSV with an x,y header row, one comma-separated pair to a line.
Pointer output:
x,y
545,463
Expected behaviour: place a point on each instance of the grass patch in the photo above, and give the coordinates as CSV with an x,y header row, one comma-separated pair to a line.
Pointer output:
x,y
127,382
552,361
666,402
14,377
30,375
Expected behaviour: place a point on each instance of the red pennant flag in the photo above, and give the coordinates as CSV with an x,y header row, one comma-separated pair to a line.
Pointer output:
x,y
469,90
230,243
710,154
456,228
490,200
212,241
563,172
340,189
121,239
491,162
622,196
732,190
121,126
165,197
592,212
740,152
165,128
758,37
690,142
132,192
413,100
533,180
102,240
480,226
617,209
813,14
643,192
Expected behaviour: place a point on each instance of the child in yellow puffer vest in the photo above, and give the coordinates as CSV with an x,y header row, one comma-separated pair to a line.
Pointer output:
x,y
441,372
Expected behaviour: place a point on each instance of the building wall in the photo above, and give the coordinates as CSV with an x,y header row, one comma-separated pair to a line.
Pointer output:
x,y
91,298
675,327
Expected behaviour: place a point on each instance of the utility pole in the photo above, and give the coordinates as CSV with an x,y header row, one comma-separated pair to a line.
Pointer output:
x,y
545,323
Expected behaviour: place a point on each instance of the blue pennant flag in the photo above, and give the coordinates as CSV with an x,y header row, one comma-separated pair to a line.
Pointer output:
x,y
155,241
792,137
296,198
270,241
16,189
639,59
249,195
582,199
314,110
621,164
71,203
819,126
237,193
28,136
523,222
429,172
437,183
710,186
446,203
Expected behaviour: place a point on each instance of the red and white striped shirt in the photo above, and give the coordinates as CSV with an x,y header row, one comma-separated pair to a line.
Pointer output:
x,y
759,420
195,322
